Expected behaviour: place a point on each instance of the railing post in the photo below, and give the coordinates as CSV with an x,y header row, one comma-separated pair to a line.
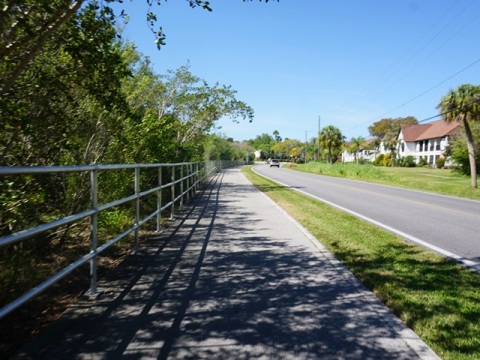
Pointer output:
x,y
196,176
172,188
181,186
93,232
187,181
159,200
191,179
137,207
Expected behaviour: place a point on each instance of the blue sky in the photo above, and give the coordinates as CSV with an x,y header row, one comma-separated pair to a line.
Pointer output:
x,y
349,62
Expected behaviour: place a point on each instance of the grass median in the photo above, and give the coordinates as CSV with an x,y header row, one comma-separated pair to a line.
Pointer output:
x,y
438,299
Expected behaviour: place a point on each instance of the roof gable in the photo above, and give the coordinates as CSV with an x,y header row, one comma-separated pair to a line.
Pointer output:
x,y
436,129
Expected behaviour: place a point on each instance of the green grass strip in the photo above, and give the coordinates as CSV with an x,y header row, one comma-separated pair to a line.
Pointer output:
x,y
438,299
440,181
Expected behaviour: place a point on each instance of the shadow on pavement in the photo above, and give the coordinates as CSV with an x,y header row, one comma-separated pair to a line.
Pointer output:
x,y
215,287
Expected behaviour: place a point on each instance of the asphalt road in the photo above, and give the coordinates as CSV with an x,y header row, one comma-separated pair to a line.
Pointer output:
x,y
445,224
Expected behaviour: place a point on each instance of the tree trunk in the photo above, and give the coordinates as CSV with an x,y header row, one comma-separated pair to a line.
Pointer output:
x,y
43,35
471,154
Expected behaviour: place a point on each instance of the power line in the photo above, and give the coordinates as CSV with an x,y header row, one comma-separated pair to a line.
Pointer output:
x,y
392,70
434,87
449,111
423,93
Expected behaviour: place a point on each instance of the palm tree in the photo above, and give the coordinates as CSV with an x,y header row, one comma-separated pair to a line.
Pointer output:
x,y
376,145
356,144
330,140
390,143
462,104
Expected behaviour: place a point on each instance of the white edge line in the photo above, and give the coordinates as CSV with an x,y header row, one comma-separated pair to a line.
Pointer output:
x,y
465,262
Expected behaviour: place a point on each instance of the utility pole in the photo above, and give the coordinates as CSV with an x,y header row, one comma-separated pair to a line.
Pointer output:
x,y
318,138
306,147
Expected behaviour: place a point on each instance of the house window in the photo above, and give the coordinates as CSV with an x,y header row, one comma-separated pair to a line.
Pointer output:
x,y
437,146
403,147
420,146
432,146
430,159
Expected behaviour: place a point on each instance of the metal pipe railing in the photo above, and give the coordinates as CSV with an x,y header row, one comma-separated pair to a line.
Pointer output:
x,y
191,176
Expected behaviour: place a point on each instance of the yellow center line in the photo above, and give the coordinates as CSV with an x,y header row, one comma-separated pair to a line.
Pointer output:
x,y
401,198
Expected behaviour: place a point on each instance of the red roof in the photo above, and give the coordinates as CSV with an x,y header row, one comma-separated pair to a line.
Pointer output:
x,y
433,130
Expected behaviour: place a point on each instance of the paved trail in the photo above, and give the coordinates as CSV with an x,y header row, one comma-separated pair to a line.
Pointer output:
x,y
235,278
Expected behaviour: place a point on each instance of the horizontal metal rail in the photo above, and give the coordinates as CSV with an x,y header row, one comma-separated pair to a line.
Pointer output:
x,y
192,175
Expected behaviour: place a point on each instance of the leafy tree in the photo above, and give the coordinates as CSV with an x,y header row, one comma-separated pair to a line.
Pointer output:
x,y
173,113
219,148
331,141
462,104
242,148
27,26
458,152
287,148
277,136
384,126
64,108
264,143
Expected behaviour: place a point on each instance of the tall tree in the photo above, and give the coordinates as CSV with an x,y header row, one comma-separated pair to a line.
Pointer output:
x,y
288,148
463,105
27,26
64,107
174,112
458,152
382,127
219,147
277,136
330,140
264,143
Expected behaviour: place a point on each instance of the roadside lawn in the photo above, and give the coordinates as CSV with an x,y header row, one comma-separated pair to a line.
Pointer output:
x,y
438,299
439,181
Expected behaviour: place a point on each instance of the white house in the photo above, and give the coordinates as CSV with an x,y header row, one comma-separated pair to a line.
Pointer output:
x,y
367,152
426,141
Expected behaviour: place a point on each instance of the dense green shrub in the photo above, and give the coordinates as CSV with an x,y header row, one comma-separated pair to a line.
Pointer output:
x,y
440,163
422,162
406,161
379,160
387,160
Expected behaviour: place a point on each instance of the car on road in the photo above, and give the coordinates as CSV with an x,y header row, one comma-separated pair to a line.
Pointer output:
x,y
274,162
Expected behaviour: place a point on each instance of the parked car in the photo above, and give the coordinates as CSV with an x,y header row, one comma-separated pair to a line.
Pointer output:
x,y
274,162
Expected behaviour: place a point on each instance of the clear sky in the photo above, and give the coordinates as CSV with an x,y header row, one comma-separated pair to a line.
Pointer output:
x,y
348,63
